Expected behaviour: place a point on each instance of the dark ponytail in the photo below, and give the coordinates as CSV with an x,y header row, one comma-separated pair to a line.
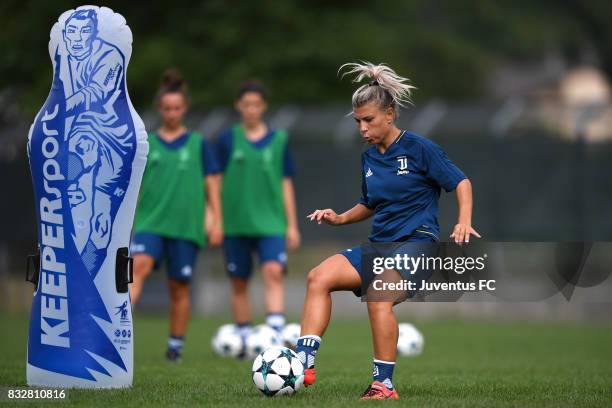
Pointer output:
x,y
172,82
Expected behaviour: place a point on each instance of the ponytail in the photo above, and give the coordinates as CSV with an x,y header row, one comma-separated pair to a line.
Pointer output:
x,y
172,82
386,89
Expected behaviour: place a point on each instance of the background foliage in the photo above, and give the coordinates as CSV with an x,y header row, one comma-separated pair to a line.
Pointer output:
x,y
447,47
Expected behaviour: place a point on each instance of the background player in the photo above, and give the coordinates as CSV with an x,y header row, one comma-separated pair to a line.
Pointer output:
x,y
169,223
402,174
258,205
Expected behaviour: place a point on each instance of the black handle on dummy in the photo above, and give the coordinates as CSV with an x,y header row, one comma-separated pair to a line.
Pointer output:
x,y
123,270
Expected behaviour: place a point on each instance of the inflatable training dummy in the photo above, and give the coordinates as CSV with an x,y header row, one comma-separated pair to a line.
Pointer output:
x,y
87,149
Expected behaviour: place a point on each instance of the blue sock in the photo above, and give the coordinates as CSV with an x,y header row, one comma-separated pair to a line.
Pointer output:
x,y
306,349
276,321
244,329
383,372
176,342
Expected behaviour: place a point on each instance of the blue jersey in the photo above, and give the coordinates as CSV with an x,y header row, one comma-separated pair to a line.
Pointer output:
x,y
402,187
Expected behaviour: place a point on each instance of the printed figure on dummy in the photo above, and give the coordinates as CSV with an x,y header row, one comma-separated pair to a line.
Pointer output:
x,y
87,149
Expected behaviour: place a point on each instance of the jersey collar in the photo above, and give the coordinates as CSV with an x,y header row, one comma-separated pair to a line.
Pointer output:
x,y
397,139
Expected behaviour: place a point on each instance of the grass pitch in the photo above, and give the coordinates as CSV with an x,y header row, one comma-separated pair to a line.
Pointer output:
x,y
465,364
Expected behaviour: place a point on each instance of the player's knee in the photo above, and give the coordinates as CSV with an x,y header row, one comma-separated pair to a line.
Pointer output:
x,y
273,272
380,307
239,286
179,292
318,279
183,300
180,299
143,264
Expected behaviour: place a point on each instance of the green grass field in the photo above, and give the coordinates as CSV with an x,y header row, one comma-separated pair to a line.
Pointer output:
x,y
465,364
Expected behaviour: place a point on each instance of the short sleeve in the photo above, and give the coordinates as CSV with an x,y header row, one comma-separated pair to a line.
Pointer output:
x,y
209,160
224,149
364,187
439,167
288,163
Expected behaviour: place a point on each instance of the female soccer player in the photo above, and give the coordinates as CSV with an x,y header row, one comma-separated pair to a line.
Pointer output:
x,y
402,175
258,206
180,177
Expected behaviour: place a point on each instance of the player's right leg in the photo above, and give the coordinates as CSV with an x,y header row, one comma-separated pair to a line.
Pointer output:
x,y
181,257
334,274
238,265
147,250
143,265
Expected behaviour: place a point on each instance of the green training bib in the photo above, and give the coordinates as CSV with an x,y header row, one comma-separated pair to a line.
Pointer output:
x,y
172,194
252,191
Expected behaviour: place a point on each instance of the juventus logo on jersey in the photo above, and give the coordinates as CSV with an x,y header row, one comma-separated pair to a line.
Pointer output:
x,y
403,165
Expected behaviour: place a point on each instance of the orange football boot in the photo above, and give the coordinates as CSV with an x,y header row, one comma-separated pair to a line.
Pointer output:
x,y
378,391
309,376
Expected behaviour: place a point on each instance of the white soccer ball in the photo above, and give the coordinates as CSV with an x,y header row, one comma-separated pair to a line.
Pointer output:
x,y
227,341
291,334
278,371
261,338
410,342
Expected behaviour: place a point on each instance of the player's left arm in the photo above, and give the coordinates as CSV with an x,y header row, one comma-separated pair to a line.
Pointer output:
x,y
213,178
293,232
448,176
292,235
463,229
214,218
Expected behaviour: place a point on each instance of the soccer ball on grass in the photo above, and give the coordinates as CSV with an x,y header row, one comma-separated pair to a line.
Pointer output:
x,y
410,342
227,341
278,371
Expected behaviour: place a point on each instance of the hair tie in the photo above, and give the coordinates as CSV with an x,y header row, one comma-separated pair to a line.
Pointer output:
x,y
374,83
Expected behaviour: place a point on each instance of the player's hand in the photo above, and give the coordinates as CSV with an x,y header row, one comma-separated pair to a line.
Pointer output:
x,y
461,233
293,238
327,215
215,236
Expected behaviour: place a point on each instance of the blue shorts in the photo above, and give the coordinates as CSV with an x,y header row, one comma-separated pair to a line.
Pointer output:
x,y
354,256
239,253
180,255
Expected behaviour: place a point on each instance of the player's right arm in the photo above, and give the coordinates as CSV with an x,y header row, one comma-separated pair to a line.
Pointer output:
x,y
358,213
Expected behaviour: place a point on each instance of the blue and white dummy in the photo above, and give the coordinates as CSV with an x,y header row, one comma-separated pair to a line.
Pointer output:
x,y
87,149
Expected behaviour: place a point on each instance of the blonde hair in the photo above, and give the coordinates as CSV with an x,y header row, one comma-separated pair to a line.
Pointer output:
x,y
386,89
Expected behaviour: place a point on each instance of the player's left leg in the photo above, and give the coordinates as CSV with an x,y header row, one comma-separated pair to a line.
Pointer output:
x,y
179,318
273,276
384,338
271,251
383,322
181,261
